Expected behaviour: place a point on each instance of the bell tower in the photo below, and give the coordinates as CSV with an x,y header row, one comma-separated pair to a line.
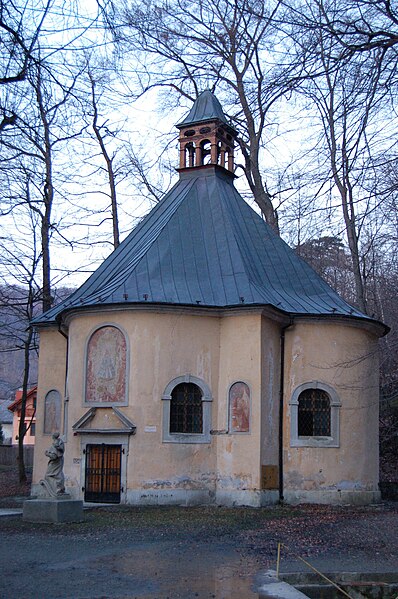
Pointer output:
x,y
206,137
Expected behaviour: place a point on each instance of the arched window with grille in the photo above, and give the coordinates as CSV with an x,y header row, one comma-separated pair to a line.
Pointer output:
x,y
314,413
186,411
314,416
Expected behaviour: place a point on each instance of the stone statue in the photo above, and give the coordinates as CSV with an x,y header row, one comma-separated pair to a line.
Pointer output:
x,y
54,481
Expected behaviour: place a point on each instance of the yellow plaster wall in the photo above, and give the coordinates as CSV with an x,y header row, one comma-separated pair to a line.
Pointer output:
x,y
270,383
52,366
163,346
346,358
222,350
238,455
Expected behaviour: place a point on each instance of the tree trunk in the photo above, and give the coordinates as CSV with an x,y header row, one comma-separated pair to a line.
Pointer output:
x,y
251,156
354,251
48,196
109,166
46,269
21,431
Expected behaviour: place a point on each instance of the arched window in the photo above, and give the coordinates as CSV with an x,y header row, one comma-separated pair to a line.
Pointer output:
x,y
314,416
239,408
189,155
205,151
106,367
186,411
52,412
314,413
229,159
220,154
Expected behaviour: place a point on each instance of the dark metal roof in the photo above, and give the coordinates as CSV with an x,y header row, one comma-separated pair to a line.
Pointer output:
x,y
203,245
206,107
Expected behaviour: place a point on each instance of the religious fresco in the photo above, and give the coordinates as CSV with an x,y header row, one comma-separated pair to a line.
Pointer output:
x,y
106,367
239,408
52,412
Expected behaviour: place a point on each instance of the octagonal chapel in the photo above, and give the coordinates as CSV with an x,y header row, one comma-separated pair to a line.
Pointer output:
x,y
205,362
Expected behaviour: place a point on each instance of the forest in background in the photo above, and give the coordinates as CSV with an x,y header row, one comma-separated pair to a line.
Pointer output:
x,y
89,95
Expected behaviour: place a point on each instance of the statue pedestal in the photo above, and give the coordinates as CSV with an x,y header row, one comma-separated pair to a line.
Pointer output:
x,y
53,509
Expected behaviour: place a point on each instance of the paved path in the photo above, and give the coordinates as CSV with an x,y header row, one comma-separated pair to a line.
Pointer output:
x,y
188,553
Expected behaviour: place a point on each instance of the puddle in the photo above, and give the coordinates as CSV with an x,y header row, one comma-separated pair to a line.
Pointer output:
x,y
188,575
151,570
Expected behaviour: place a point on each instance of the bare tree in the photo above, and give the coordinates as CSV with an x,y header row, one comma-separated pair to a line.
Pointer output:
x,y
39,121
225,44
38,48
329,257
20,33
349,99
359,25
29,148
20,294
101,132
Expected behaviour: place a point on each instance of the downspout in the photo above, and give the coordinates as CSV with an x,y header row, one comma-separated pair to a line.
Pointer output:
x,y
67,351
281,394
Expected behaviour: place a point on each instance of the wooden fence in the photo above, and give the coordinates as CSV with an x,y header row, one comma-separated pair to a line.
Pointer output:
x,y
9,455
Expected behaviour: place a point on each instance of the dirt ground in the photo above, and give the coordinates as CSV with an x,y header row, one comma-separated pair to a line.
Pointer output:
x,y
174,552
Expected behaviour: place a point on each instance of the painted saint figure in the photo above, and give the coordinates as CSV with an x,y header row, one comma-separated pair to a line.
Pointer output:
x,y
106,366
54,480
239,398
52,412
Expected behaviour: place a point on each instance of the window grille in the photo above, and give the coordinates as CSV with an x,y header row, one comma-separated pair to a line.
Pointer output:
x,y
186,414
314,413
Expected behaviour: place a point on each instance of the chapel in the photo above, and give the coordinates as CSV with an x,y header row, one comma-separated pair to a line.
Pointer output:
x,y
204,362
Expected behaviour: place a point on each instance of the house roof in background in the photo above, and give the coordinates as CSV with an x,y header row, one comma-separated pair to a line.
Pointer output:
x,y
32,392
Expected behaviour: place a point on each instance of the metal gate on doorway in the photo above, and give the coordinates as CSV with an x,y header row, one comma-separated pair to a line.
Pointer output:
x,y
103,473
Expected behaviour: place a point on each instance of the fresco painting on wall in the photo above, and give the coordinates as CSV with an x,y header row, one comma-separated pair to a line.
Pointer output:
x,y
239,408
52,412
106,366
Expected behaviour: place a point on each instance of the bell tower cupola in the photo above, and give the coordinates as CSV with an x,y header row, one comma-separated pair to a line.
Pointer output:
x,y
206,137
